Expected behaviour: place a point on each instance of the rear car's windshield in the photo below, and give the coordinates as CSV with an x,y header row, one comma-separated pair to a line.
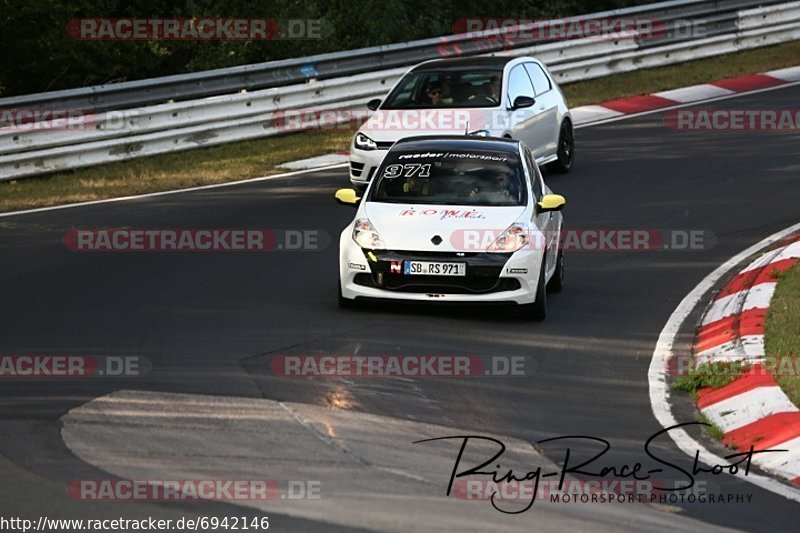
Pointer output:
x,y
450,178
445,89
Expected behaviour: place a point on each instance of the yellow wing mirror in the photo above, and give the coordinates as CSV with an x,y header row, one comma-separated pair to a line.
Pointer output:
x,y
347,197
551,202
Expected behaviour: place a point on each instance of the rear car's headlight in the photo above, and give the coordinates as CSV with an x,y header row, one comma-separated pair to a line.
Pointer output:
x,y
365,235
480,133
363,142
511,240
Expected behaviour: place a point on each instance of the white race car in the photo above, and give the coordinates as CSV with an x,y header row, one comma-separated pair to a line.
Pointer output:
x,y
513,97
454,219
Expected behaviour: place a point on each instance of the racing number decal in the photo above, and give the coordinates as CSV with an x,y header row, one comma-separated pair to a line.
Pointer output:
x,y
408,170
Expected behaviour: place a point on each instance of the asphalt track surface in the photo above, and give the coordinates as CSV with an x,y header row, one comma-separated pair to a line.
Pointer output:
x,y
209,322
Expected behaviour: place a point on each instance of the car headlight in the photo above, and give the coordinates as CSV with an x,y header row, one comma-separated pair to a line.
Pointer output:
x,y
511,240
365,143
480,133
365,235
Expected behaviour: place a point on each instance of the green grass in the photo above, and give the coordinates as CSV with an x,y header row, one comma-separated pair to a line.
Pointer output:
x,y
714,375
714,431
683,74
235,161
782,336
216,164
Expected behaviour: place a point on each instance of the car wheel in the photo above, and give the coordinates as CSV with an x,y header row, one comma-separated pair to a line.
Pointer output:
x,y
557,281
538,309
344,303
566,150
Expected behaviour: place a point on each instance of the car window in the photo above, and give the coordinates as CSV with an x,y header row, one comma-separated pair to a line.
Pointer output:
x,y
541,83
446,89
536,183
450,178
519,84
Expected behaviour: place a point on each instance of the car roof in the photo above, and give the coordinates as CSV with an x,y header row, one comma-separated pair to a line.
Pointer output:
x,y
452,142
491,62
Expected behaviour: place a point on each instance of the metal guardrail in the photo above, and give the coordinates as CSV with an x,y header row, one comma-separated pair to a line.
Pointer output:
x,y
333,65
167,127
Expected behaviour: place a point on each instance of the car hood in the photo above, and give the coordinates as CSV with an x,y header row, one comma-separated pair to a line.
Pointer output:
x,y
390,125
461,228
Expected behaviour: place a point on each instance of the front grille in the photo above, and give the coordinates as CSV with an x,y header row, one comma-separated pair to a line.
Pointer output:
x,y
384,145
439,284
483,273
356,168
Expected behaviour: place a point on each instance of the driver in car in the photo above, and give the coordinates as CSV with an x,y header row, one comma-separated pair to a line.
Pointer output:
x,y
489,92
436,95
495,187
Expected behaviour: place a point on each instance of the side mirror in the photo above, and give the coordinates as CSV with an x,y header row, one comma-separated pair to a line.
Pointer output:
x,y
551,202
372,105
521,102
347,197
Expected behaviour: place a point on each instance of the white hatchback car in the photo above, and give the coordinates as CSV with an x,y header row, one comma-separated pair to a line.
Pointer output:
x,y
510,97
454,219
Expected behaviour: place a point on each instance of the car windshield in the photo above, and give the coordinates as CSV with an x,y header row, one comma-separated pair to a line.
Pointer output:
x,y
446,89
450,178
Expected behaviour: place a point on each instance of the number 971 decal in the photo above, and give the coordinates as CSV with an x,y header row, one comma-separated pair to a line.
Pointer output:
x,y
408,170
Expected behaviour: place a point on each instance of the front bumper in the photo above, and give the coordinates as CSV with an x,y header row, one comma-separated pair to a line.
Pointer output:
x,y
490,277
363,164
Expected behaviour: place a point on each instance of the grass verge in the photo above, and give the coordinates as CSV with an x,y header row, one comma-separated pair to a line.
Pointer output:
x,y
235,161
782,336
683,74
714,375
178,170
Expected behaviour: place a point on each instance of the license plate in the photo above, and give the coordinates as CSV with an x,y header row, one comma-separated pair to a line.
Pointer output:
x,y
432,268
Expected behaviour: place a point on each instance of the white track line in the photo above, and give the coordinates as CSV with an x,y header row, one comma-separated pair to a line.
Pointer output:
x,y
657,374
173,191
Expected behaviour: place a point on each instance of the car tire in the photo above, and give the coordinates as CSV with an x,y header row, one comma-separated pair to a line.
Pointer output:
x,y
344,303
538,309
566,150
556,282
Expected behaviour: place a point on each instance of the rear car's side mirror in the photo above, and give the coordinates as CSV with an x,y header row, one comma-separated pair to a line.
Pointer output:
x,y
521,102
551,202
374,104
347,197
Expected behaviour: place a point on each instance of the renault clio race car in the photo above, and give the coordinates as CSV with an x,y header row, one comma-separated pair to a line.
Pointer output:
x,y
454,219
501,96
